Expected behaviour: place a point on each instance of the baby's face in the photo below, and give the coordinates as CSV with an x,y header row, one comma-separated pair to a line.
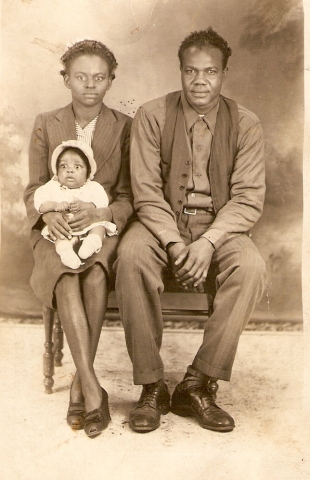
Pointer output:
x,y
72,171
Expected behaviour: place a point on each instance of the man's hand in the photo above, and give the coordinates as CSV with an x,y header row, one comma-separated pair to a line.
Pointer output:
x,y
57,226
174,250
193,263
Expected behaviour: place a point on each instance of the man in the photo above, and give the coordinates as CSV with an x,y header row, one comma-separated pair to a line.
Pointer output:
x,y
199,186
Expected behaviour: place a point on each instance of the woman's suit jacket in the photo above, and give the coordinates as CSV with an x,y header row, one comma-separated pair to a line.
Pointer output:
x,y
111,152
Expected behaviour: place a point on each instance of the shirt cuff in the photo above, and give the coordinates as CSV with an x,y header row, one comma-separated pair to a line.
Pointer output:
x,y
216,237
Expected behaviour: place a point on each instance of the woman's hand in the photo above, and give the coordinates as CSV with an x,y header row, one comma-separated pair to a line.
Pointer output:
x,y
84,218
57,226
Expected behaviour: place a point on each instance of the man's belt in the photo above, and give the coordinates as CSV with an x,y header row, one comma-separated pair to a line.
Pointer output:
x,y
197,211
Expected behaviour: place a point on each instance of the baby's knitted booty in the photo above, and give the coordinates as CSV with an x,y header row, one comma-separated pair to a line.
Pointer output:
x,y
91,244
68,255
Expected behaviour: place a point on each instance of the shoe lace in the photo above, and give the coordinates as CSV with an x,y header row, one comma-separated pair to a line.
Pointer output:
x,y
206,392
149,395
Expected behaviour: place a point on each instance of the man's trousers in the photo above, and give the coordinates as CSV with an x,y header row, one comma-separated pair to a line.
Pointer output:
x,y
240,278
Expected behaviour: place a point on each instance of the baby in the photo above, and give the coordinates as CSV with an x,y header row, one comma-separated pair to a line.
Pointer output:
x,y
71,190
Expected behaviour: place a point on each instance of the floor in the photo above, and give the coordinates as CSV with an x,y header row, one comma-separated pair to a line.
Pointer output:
x,y
266,397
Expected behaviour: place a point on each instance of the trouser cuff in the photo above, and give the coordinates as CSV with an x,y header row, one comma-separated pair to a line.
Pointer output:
x,y
194,372
213,372
144,378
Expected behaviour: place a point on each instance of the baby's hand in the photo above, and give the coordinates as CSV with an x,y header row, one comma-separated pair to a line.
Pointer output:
x,y
62,207
77,205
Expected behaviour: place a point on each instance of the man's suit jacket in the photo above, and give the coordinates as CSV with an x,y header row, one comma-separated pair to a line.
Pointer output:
x,y
111,152
159,175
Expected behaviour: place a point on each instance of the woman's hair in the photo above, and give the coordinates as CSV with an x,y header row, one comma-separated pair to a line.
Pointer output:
x,y
88,47
205,38
79,152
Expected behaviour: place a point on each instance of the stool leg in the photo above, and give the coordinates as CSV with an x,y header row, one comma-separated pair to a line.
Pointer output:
x,y
48,356
58,342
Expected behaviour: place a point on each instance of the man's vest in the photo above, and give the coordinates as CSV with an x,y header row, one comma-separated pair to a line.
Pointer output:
x,y
176,155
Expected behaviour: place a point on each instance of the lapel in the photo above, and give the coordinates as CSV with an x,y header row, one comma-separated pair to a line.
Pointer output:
x,y
106,135
60,127
65,126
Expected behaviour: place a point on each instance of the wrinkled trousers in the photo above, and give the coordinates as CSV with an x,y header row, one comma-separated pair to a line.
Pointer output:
x,y
240,280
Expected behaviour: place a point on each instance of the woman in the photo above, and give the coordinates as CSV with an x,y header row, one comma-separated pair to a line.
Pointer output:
x,y
80,296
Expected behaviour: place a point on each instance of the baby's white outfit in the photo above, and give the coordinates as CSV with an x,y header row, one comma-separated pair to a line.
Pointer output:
x,y
91,191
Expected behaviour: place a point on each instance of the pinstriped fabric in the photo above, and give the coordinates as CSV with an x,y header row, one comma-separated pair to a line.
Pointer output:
x,y
159,181
240,284
111,151
240,281
48,267
138,277
86,134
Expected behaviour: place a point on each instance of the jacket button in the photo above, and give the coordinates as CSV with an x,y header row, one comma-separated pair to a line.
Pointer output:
x,y
184,175
180,202
187,163
181,187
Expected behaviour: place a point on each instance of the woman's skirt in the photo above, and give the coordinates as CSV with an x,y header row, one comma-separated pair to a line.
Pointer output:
x,y
48,267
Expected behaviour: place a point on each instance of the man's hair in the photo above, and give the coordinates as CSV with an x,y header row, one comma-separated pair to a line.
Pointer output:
x,y
88,47
79,152
205,38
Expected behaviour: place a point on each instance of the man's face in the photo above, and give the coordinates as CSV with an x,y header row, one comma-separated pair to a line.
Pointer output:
x,y
88,79
202,76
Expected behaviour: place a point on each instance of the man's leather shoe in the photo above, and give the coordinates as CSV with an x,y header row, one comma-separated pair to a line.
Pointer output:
x,y
154,402
196,399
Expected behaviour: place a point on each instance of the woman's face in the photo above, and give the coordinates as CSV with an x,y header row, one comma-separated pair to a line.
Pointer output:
x,y
88,79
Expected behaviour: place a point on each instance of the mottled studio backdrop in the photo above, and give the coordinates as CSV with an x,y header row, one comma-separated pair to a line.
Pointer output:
x,y
265,75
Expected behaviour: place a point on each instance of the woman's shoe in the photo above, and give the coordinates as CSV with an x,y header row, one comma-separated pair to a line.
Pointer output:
x,y
76,415
97,420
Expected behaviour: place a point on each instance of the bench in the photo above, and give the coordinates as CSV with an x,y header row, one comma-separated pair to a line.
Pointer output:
x,y
174,303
